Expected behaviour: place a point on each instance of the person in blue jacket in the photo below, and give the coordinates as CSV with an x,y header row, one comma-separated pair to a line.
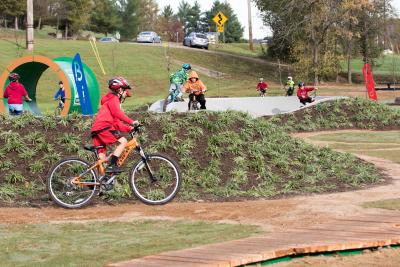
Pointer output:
x,y
60,93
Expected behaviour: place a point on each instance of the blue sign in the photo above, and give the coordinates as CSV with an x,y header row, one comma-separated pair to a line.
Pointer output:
x,y
81,85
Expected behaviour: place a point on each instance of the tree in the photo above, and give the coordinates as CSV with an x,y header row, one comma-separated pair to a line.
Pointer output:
x,y
170,29
13,8
167,12
233,30
130,20
184,10
77,14
169,26
148,10
40,11
193,18
105,17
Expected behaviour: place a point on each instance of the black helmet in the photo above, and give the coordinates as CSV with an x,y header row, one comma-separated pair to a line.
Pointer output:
x,y
300,84
14,77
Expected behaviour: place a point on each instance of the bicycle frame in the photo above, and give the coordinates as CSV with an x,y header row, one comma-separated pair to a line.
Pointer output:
x,y
98,165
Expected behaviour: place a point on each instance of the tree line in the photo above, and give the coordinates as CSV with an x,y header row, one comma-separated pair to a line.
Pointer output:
x,y
315,35
128,17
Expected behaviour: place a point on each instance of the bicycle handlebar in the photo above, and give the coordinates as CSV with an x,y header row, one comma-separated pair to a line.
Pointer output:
x,y
136,129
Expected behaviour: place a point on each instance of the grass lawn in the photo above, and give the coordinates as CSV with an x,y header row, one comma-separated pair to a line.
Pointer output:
x,y
242,49
385,65
365,137
145,66
377,144
98,243
389,204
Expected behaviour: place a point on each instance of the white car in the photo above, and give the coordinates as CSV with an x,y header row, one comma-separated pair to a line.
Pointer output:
x,y
196,39
148,37
388,52
108,40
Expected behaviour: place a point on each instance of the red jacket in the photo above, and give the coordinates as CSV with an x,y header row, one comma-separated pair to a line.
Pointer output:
x,y
302,93
15,93
111,115
262,86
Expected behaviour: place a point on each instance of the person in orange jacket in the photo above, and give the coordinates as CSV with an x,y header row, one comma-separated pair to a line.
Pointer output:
x,y
196,90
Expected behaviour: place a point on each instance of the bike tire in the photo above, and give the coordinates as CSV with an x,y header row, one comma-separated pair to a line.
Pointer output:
x,y
165,104
139,179
54,191
57,111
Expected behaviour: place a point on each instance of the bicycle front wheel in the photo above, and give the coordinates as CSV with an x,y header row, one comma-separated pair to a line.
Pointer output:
x,y
71,184
156,180
57,111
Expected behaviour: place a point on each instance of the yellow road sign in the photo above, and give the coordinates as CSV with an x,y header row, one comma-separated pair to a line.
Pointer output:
x,y
220,19
220,28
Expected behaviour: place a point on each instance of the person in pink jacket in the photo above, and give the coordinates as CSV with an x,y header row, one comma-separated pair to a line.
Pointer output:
x,y
15,94
302,93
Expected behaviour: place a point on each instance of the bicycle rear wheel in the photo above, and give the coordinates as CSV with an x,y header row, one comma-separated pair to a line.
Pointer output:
x,y
61,188
156,180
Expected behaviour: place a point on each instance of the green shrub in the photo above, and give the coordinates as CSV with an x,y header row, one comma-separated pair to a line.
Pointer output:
x,y
14,177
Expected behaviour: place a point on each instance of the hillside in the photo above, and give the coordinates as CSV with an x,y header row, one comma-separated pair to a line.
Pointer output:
x,y
223,156
351,113
146,66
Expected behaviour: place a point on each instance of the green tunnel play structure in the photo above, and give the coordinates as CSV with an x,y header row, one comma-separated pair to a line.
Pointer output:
x,y
31,68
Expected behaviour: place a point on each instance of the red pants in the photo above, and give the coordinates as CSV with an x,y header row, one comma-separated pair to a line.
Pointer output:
x,y
104,138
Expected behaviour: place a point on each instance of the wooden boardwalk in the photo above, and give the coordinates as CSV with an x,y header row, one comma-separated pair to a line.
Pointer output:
x,y
340,234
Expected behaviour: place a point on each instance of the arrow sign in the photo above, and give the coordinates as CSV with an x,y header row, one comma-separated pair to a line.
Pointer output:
x,y
220,19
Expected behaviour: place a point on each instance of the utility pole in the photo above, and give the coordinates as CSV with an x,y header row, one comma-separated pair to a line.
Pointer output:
x,y
29,25
250,26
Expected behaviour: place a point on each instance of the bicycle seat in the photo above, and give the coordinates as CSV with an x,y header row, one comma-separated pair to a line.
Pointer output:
x,y
92,148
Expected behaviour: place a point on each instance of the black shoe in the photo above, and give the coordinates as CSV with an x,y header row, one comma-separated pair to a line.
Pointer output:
x,y
113,169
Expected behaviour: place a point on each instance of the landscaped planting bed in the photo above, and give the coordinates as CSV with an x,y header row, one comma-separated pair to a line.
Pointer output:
x,y
223,156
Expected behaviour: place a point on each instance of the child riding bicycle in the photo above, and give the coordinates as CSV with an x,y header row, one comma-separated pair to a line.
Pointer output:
x,y
60,94
15,92
177,80
290,84
262,87
196,90
302,93
110,121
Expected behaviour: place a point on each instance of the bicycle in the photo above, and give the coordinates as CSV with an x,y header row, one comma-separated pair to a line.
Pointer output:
x,y
172,97
263,93
154,179
59,107
193,103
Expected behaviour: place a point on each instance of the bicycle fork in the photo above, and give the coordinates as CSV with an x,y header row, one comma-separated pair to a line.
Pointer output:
x,y
146,163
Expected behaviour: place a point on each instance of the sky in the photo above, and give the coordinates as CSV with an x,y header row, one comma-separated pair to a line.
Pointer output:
x,y
240,8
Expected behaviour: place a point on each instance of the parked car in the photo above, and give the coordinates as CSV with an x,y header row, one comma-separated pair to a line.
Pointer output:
x,y
196,39
108,40
388,52
266,40
148,37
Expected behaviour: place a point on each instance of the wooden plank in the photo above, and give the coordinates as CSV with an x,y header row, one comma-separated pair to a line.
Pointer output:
x,y
336,235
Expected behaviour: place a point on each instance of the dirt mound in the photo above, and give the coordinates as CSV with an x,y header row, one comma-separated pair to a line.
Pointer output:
x,y
223,157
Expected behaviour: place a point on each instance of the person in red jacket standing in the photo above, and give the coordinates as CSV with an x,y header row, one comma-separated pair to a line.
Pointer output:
x,y
302,93
15,92
110,121
262,87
